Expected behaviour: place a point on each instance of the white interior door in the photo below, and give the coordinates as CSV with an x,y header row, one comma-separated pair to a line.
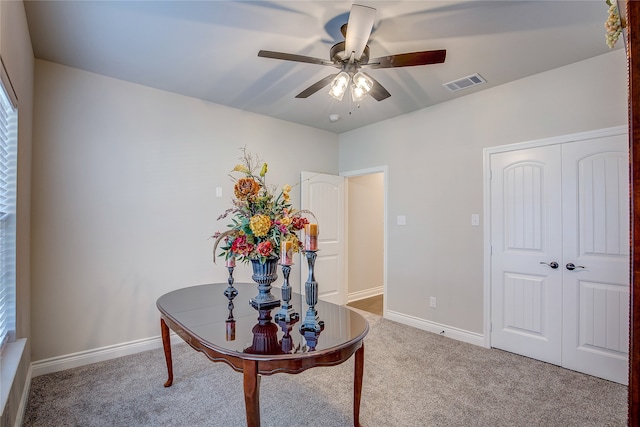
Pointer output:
x,y
324,195
526,295
569,204
595,188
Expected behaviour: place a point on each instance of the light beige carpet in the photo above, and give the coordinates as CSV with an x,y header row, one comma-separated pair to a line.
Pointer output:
x,y
412,378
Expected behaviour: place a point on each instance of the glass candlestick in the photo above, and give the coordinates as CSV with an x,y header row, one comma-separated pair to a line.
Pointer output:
x,y
286,312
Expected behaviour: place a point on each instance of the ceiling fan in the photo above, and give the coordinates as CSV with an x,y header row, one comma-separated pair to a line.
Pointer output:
x,y
351,55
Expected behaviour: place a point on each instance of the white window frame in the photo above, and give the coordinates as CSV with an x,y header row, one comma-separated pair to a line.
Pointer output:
x,y
8,179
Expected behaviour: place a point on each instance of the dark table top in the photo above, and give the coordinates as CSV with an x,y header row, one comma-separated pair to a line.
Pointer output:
x,y
203,312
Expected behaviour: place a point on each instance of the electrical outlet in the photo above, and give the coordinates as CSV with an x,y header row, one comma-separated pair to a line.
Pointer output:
x,y
432,302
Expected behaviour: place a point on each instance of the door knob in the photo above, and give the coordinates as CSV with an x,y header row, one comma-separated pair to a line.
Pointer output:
x,y
571,266
551,264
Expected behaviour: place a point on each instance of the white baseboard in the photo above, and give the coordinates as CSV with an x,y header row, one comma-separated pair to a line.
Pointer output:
x,y
437,328
367,293
74,360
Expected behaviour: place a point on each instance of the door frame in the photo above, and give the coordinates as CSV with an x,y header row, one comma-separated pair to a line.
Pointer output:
x,y
631,40
361,172
487,152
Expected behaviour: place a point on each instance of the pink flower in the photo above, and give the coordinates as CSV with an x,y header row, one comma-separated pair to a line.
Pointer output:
x,y
283,228
265,248
241,246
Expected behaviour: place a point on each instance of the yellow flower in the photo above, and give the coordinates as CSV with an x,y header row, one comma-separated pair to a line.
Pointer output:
x,y
285,220
263,171
286,188
240,168
260,225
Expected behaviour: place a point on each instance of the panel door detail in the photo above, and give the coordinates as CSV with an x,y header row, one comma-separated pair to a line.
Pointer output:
x,y
596,241
323,195
526,295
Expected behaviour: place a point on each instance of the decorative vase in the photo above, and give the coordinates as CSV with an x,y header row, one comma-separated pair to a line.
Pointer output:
x,y
264,274
265,336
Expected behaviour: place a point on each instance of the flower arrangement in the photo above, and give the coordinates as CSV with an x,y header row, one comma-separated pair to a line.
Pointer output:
x,y
261,220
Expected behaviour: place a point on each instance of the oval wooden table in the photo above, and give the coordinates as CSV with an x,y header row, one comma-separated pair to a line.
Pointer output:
x,y
254,343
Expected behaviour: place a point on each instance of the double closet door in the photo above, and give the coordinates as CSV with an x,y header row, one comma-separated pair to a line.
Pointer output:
x,y
560,254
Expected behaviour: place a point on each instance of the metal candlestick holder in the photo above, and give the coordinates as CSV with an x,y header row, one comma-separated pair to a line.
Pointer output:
x,y
286,312
230,293
311,321
286,343
311,337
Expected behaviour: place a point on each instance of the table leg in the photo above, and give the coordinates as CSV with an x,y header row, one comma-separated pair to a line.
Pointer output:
x,y
166,344
252,392
357,384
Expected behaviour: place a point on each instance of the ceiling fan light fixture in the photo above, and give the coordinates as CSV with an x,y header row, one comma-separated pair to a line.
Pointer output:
x,y
339,86
362,81
357,94
351,54
361,86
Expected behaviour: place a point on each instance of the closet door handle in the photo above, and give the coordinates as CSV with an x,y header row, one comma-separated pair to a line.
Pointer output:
x,y
571,266
551,264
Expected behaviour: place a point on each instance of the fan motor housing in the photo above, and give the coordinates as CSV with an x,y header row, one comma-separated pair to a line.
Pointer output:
x,y
337,51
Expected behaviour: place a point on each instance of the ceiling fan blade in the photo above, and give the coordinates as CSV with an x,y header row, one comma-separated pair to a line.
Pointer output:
x,y
316,86
359,28
293,57
378,92
409,59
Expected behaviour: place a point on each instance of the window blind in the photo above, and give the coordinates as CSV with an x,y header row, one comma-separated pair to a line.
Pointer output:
x,y
8,153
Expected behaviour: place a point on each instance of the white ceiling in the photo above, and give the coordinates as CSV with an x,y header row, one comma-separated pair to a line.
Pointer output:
x,y
208,49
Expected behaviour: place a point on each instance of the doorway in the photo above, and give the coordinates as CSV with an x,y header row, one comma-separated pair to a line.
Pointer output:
x,y
366,239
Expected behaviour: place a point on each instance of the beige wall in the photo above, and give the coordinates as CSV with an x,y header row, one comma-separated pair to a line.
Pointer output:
x,y
435,162
366,235
17,56
124,200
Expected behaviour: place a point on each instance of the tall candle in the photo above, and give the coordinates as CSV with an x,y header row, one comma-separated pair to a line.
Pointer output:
x,y
311,229
231,261
286,253
311,237
231,330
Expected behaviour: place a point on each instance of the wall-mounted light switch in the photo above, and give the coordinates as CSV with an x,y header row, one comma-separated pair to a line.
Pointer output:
x,y
402,220
218,191
475,220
